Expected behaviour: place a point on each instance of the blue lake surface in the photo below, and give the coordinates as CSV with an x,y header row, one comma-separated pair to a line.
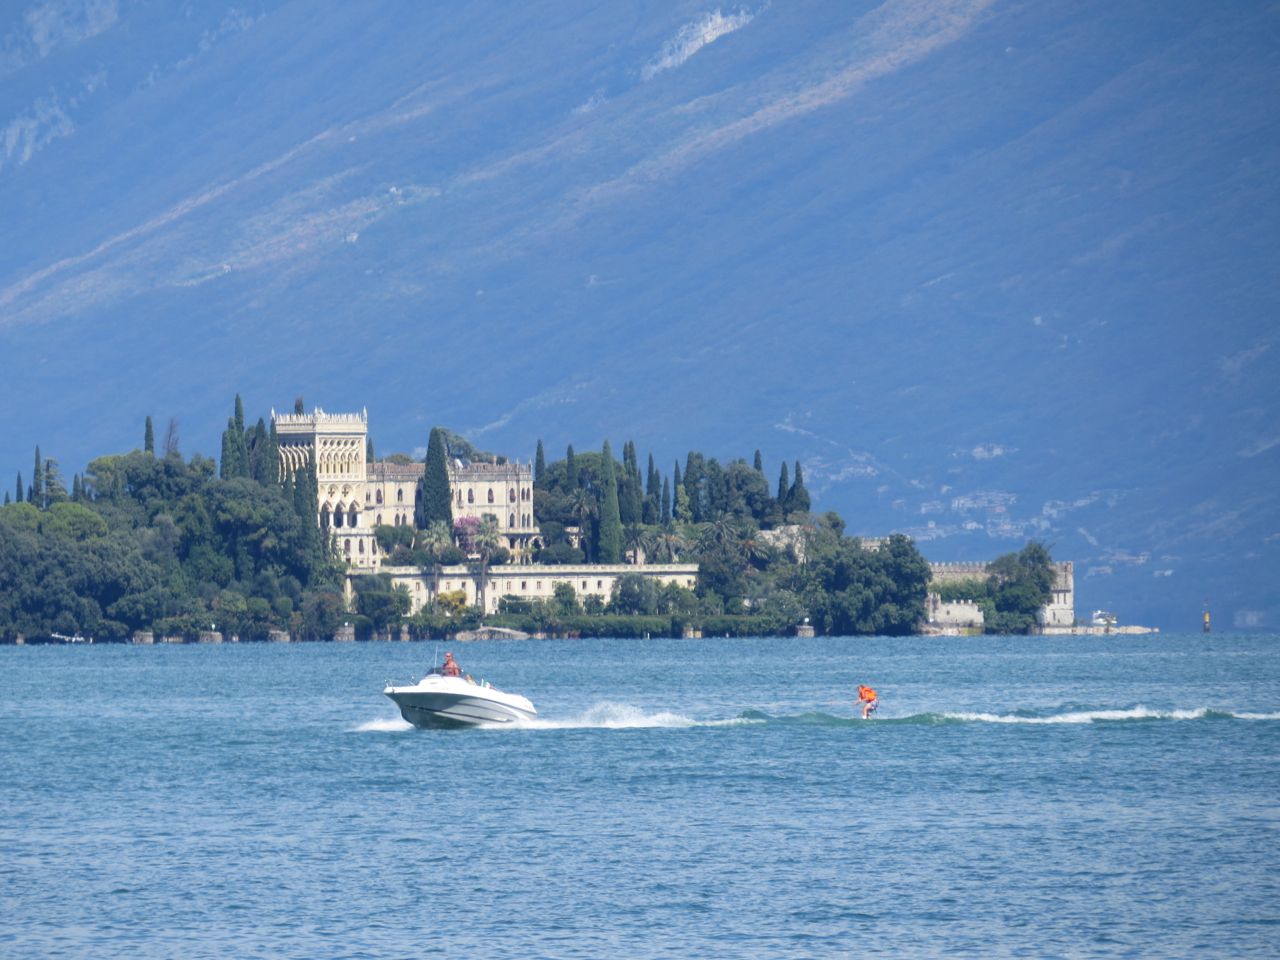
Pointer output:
x,y
1076,797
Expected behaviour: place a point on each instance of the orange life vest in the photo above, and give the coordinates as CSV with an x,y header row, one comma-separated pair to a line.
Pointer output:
x,y
866,693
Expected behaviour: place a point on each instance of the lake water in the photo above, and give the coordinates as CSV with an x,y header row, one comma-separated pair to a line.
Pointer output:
x,y
1035,797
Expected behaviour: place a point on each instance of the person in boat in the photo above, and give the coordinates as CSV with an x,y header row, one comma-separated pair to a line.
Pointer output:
x,y
450,667
867,697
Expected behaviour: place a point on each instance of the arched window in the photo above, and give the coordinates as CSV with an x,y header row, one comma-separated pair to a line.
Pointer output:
x,y
366,496
491,494
459,498
338,516
379,520
511,495
379,497
399,494
511,522
360,546
346,546
471,496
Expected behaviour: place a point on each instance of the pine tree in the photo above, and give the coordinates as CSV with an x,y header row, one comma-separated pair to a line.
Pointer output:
x,y
798,498
149,439
20,492
36,495
784,487
609,543
539,465
570,472
436,502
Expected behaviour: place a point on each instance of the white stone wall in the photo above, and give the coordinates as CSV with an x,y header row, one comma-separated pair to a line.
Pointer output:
x,y
533,581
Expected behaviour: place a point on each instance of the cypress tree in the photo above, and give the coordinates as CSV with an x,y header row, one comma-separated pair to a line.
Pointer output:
x,y
436,503
539,465
149,439
368,449
54,490
227,464
759,464
239,415
263,455
610,539
666,500
271,468
36,494
570,471
784,487
798,498
298,406
77,489
6,498
19,494
676,482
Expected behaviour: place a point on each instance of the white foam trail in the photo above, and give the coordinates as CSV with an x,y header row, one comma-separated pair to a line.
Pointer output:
x,y
621,716
1085,716
1256,716
384,726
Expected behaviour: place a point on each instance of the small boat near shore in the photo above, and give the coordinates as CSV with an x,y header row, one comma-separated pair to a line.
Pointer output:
x,y
439,701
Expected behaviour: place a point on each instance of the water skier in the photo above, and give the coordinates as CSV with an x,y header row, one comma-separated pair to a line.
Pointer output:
x,y
867,697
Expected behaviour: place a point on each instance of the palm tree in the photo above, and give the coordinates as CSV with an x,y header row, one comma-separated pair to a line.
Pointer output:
x,y
435,539
668,544
637,542
583,505
487,542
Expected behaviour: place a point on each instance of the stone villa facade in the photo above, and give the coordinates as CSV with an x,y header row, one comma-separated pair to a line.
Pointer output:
x,y
357,495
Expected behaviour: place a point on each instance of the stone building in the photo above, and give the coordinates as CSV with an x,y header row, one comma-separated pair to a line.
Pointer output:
x,y
357,495
527,581
1058,612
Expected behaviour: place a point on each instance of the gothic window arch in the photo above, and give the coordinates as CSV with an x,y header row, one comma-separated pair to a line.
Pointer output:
x,y
379,498
360,546
511,495
491,494
471,496
379,520
324,517
339,515
399,494
511,521
354,517
346,546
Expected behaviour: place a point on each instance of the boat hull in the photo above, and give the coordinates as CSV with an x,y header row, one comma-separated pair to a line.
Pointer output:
x,y
455,704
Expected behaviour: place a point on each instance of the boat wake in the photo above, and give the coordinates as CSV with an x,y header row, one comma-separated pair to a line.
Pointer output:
x,y
388,725
621,716
1056,715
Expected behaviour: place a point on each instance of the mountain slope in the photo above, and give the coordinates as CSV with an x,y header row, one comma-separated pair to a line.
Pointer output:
x,y
990,270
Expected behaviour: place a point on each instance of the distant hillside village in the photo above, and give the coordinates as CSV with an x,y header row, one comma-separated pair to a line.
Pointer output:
x,y
300,532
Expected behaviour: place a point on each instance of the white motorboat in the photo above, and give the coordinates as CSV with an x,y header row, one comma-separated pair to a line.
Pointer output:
x,y
440,701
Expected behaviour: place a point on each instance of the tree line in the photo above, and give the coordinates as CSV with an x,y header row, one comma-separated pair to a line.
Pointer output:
x,y
160,542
